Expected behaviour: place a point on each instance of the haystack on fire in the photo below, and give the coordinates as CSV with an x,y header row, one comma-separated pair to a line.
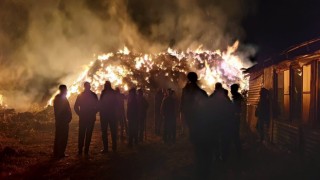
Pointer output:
x,y
43,44
126,69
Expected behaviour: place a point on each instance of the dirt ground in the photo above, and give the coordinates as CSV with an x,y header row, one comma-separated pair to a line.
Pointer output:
x,y
29,156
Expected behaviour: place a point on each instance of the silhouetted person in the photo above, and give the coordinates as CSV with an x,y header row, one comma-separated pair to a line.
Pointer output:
x,y
237,101
157,111
108,116
132,115
142,114
121,117
168,109
221,113
63,116
263,112
86,107
193,106
219,89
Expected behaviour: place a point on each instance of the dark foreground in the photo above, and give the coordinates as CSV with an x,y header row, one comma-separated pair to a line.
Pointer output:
x,y
29,157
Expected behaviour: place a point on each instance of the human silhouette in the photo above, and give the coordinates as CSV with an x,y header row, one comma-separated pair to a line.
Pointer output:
x,y
86,107
142,114
108,116
132,115
168,110
237,101
121,117
63,116
194,103
157,111
221,113
263,112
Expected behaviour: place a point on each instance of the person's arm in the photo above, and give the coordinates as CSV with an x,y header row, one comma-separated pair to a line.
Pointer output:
x,y
77,106
96,107
68,113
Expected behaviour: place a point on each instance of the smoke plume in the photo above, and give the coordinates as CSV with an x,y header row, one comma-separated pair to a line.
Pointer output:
x,y
44,43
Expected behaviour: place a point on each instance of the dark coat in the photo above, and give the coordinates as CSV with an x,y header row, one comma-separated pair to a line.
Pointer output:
x,y
62,110
108,104
132,108
86,105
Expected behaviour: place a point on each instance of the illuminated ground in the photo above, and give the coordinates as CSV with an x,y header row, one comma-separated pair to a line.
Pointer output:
x,y
151,160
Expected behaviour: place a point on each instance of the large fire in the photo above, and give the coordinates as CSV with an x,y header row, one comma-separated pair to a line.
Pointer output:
x,y
125,69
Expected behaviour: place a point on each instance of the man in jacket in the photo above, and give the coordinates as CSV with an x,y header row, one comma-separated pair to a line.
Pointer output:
x,y
86,108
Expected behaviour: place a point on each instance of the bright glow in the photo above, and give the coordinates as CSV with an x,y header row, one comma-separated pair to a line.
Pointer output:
x,y
126,69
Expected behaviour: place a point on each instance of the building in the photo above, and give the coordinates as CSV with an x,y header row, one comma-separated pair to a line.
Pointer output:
x,y
292,79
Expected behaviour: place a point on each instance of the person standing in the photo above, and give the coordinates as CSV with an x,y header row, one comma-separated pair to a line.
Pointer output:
x,y
132,115
263,112
142,114
168,110
237,101
222,119
121,116
157,111
86,107
108,116
194,109
63,116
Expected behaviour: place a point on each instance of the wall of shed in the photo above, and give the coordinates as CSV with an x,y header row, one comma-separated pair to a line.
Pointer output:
x,y
255,84
291,134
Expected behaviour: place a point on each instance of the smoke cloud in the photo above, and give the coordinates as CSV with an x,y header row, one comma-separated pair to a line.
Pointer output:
x,y
44,43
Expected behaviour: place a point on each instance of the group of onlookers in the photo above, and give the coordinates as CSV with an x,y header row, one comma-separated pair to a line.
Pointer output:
x,y
111,107
165,115
213,122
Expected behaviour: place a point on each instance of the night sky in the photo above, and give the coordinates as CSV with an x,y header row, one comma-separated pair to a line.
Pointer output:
x,y
277,25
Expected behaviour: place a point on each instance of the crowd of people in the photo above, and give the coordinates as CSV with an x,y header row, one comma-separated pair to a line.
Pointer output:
x,y
111,107
213,121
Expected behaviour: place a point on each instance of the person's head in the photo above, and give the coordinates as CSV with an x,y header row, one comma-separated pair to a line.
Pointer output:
x,y
107,85
63,89
234,88
192,77
87,86
218,86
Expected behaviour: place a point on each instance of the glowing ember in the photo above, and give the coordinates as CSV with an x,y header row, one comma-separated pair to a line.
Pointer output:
x,y
126,69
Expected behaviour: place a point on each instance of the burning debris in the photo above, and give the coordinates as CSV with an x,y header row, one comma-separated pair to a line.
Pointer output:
x,y
126,69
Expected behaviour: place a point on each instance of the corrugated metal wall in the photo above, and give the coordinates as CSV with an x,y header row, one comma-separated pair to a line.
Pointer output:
x,y
286,135
311,144
255,84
